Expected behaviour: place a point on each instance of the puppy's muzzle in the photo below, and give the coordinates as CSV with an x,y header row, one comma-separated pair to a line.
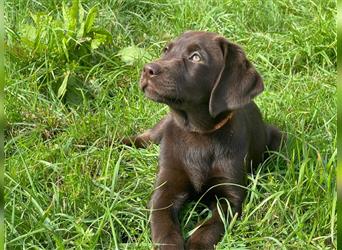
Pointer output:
x,y
150,70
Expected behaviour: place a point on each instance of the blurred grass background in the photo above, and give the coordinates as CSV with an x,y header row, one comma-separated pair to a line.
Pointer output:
x,y
339,115
71,93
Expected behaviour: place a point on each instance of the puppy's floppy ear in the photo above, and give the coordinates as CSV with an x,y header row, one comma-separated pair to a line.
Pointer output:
x,y
237,83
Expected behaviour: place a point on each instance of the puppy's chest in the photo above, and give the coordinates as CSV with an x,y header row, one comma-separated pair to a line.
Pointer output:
x,y
196,155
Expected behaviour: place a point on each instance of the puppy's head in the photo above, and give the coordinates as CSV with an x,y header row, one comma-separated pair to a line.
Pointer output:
x,y
202,68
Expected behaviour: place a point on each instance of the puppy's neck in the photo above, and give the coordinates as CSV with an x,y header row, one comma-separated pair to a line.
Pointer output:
x,y
199,120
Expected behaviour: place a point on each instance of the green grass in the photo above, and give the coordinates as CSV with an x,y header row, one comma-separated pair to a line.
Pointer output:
x,y
69,182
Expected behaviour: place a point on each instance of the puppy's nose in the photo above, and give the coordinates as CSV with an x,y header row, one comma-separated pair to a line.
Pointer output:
x,y
152,69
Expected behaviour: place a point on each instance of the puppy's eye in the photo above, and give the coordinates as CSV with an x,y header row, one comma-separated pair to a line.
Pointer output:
x,y
195,57
166,49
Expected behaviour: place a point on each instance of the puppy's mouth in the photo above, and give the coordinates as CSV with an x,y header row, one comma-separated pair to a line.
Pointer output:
x,y
157,94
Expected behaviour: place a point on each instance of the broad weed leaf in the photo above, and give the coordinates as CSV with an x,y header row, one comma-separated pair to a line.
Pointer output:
x,y
28,34
133,54
89,22
98,40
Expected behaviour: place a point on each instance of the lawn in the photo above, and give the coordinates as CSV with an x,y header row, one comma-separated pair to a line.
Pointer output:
x,y
72,93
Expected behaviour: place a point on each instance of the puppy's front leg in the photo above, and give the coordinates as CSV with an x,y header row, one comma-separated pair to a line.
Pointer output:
x,y
172,190
211,231
153,135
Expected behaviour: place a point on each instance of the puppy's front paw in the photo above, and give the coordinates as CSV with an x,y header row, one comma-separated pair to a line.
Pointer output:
x,y
129,141
136,141
199,246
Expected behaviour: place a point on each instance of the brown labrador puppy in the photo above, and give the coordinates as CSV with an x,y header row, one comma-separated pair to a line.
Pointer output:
x,y
212,137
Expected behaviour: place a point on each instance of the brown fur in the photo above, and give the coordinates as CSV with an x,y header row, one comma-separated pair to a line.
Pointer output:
x,y
213,135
